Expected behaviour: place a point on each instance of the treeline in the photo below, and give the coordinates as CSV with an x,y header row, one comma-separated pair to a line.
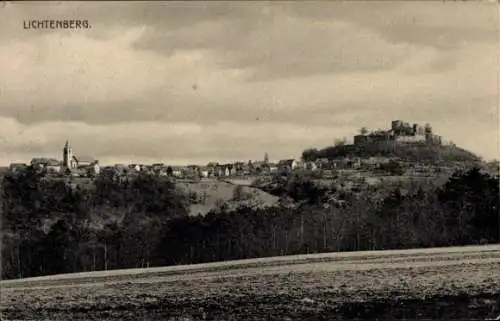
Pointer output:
x,y
51,227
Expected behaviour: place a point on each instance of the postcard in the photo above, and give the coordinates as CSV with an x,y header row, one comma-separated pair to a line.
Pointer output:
x,y
249,160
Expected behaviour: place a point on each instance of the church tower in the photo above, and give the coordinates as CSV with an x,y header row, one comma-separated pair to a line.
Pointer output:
x,y
266,158
67,155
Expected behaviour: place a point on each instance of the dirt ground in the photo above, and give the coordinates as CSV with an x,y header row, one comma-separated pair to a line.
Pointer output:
x,y
449,283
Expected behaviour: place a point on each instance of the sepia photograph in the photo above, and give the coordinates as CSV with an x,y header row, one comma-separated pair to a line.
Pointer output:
x,y
249,160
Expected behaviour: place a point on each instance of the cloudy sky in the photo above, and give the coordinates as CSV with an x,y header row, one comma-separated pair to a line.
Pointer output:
x,y
194,82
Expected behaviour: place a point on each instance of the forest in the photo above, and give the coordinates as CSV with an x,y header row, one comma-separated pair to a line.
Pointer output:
x,y
51,226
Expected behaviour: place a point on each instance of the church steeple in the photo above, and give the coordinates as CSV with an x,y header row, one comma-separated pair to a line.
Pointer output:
x,y
67,155
266,158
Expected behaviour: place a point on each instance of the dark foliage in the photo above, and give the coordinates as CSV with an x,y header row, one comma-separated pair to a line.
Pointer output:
x,y
300,188
52,226
418,152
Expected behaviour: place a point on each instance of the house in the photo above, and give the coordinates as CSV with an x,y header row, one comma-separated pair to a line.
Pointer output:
x,y
157,168
353,162
336,163
192,171
175,171
374,161
260,167
218,170
162,171
204,172
225,170
328,173
147,169
288,164
212,168
273,168
221,171
242,168
79,172
88,165
135,167
239,168
230,170
91,170
311,166
322,163
121,169
48,164
17,167
83,161
247,169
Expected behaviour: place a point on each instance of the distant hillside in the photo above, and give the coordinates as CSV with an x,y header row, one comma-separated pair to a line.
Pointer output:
x,y
211,195
420,152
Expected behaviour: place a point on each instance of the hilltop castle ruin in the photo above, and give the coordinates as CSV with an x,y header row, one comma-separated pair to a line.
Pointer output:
x,y
400,132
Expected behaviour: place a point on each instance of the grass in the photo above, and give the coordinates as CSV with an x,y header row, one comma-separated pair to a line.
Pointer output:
x,y
384,284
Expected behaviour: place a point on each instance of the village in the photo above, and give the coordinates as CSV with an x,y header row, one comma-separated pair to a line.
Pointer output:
x,y
73,165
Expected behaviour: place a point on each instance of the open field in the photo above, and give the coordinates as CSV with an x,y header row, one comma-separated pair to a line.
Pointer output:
x,y
461,282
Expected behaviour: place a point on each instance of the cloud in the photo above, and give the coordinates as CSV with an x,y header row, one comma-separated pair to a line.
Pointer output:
x,y
77,69
159,141
284,75
444,25
285,46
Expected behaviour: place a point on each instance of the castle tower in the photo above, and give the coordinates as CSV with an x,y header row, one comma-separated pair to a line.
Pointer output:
x,y
67,155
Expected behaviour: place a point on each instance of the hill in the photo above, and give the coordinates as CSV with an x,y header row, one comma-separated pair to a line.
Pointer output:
x,y
212,194
414,152
443,283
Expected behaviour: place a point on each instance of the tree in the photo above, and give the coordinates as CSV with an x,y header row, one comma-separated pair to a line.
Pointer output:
x,y
59,247
494,167
339,142
310,154
471,201
363,131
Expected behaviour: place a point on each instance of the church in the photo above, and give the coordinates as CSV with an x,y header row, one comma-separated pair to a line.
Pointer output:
x,y
73,162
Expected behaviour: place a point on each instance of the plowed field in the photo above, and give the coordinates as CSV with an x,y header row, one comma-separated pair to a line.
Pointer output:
x,y
445,283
